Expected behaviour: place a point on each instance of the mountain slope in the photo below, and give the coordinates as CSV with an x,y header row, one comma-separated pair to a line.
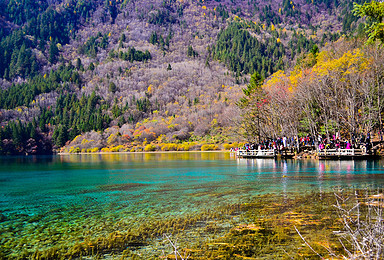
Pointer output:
x,y
167,70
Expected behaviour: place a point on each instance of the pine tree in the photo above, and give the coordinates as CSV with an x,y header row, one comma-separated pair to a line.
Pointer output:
x,y
53,52
112,87
78,63
91,66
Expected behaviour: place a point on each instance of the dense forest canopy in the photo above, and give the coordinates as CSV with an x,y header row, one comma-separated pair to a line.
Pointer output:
x,y
88,75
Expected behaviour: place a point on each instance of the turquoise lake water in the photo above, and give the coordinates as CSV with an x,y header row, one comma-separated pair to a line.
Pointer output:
x,y
69,197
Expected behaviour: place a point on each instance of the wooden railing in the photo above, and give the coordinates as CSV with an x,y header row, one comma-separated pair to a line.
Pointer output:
x,y
341,152
256,153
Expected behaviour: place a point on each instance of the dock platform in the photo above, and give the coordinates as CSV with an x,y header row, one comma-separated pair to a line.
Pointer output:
x,y
345,154
271,153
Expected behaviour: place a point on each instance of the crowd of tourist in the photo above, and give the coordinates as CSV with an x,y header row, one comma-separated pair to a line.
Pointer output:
x,y
319,142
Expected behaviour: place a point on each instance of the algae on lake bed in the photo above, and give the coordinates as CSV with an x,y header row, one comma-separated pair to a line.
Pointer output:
x,y
261,228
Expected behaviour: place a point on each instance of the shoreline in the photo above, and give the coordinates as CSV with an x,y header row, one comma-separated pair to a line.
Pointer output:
x,y
142,152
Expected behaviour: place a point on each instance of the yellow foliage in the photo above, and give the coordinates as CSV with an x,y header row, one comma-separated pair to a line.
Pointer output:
x,y
84,141
169,147
116,148
294,78
150,148
228,146
75,139
95,150
209,147
150,89
276,78
111,139
351,62
74,150
183,147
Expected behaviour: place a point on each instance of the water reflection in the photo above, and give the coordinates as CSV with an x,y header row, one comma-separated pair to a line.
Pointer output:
x,y
321,175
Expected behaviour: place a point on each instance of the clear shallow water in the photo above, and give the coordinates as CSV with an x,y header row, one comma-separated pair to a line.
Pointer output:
x,y
70,197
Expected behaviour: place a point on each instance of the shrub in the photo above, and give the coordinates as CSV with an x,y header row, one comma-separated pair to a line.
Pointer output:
x,y
95,150
150,148
227,146
169,147
209,147
74,150
116,148
183,147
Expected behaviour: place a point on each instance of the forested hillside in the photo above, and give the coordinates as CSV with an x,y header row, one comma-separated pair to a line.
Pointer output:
x,y
128,75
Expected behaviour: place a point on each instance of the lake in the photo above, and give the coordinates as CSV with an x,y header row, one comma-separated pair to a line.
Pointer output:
x,y
73,203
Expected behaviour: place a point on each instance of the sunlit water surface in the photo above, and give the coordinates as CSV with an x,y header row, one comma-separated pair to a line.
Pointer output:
x,y
62,196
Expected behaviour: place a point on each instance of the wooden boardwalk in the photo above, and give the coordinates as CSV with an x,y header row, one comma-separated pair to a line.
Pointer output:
x,y
269,153
339,154
325,154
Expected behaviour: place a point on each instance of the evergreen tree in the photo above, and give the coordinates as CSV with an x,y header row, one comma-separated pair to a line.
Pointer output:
x,y
91,66
53,53
112,87
374,11
78,64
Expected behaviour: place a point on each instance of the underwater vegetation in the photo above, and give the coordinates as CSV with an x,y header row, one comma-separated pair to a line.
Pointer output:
x,y
261,228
